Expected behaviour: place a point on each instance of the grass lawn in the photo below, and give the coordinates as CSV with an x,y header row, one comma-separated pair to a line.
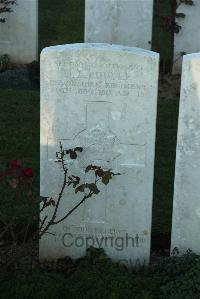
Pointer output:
x,y
20,126
95,276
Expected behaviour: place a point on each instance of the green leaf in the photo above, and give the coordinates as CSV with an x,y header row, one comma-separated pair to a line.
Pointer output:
x,y
52,202
75,184
91,167
187,2
43,199
183,53
180,15
78,149
93,188
73,154
190,2
80,188
107,177
105,180
88,168
177,28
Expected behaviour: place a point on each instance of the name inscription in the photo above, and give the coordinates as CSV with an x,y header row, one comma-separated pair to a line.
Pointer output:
x,y
98,79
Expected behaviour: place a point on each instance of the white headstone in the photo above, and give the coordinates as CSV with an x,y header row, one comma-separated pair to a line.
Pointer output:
x,y
125,22
188,38
104,99
186,209
19,34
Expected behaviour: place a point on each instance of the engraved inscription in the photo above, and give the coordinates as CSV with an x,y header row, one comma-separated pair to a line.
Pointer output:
x,y
106,80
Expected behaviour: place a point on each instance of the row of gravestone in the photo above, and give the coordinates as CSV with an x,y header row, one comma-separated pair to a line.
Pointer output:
x,y
103,98
124,22
19,34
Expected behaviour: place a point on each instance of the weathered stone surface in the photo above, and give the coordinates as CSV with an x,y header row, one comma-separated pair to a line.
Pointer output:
x,y
188,39
186,209
125,22
104,99
19,35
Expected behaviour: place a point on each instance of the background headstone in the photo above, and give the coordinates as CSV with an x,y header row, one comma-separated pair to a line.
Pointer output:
x,y
188,38
19,35
186,207
124,22
104,99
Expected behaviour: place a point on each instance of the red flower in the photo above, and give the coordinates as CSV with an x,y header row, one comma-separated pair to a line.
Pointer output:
x,y
99,173
14,164
28,172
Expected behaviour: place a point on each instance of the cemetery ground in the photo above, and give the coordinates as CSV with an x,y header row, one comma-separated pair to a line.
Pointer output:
x,y
22,276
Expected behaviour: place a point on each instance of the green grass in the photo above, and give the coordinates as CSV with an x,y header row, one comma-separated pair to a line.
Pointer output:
x,y
19,126
95,276
86,284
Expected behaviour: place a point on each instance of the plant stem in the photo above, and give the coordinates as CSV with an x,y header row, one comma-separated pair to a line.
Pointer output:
x,y
52,222
74,208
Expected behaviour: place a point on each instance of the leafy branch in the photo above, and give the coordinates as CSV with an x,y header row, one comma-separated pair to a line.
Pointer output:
x,y
89,189
169,22
181,15
5,7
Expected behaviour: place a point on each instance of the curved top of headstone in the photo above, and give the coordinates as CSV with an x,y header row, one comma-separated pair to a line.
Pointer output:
x,y
101,46
192,56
